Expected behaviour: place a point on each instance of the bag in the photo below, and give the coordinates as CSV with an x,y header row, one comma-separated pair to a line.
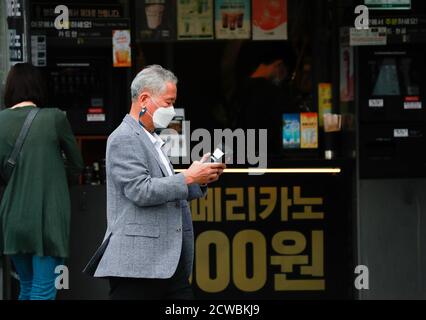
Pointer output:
x,y
91,267
93,264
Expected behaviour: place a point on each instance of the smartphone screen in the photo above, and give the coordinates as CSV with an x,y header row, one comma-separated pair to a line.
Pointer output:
x,y
217,155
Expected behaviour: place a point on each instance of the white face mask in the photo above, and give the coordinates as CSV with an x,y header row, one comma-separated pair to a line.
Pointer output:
x,y
163,116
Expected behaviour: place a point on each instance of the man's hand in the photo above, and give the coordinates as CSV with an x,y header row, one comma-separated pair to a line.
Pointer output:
x,y
202,172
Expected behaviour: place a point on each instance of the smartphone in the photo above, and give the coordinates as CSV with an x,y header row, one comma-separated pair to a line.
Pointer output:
x,y
217,156
221,154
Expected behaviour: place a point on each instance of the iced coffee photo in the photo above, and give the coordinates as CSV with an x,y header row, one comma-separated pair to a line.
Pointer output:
x,y
154,15
121,48
240,16
225,16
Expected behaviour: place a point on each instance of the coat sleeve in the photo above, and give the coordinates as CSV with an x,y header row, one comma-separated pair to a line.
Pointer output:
x,y
132,175
196,191
74,160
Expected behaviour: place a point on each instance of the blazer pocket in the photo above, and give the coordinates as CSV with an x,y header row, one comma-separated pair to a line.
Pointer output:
x,y
141,230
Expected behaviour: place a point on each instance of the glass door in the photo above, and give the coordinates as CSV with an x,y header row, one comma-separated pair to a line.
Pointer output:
x,y
4,50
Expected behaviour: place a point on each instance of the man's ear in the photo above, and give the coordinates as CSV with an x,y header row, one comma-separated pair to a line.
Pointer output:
x,y
143,98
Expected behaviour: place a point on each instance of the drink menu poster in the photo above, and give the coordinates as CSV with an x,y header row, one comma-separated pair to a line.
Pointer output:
x,y
309,130
270,21
195,19
324,101
156,20
291,131
122,54
232,20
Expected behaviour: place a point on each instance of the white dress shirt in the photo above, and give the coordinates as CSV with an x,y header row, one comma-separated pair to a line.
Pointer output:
x,y
158,144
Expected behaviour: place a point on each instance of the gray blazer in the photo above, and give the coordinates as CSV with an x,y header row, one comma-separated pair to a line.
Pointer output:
x,y
147,211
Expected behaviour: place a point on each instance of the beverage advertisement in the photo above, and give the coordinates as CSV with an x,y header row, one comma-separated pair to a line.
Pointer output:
x,y
309,130
347,73
156,20
232,19
291,130
122,54
324,101
270,20
195,19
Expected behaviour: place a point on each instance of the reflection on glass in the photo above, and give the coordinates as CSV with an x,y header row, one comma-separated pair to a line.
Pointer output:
x,y
412,89
387,83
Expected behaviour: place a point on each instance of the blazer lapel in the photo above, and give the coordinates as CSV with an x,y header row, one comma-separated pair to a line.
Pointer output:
x,y
145,139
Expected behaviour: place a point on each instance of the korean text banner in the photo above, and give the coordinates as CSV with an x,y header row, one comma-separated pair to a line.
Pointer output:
x,y
273,237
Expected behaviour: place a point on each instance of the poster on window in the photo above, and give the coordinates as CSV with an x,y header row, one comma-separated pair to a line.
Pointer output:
x,y
325,98
195,19
232,19
270,20
346,74
291,130
308,130
122,54
156,20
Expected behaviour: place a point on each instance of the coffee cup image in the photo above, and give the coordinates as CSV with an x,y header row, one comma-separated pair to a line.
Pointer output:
x,y
154,15
122,56
240,19
232,20
225,18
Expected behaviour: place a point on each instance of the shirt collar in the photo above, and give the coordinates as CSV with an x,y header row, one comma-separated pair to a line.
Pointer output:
x,y
155,138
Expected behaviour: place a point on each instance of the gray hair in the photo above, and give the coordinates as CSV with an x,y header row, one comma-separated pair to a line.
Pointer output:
x,y
153,79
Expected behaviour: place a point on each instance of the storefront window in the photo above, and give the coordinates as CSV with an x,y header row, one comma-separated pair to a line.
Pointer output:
x,y
3,50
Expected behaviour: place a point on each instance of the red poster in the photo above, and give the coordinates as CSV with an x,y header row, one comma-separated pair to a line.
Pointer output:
x,y
270,20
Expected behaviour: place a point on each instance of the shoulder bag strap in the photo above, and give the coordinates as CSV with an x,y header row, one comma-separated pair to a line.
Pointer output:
x,y
11,162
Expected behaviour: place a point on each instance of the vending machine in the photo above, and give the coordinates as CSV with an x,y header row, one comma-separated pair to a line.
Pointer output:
x,y
83,87
84,70
391,219
392,111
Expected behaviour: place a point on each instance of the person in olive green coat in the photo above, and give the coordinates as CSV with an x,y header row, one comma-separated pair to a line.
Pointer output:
x,y
35,208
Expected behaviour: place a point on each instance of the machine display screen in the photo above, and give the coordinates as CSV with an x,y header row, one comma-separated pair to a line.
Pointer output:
x,y
394,76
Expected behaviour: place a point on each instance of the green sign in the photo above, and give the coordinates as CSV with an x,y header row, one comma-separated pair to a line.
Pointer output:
x,y
388,4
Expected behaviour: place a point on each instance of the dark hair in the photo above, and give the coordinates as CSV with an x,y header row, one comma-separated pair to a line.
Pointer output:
x,y
24,83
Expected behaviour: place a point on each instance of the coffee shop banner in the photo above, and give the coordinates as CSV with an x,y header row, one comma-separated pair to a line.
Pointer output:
x,y
90,25
232,20
273,237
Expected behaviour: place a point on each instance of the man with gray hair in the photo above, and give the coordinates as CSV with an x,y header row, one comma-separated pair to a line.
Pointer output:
x,y
148,248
